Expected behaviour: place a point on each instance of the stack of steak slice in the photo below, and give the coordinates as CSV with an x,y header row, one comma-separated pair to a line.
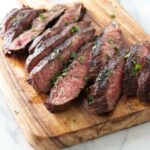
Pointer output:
x,y
21,22
39,24
143,92
72,15
71,82
135,61
46,46
105,92
104,49
46,70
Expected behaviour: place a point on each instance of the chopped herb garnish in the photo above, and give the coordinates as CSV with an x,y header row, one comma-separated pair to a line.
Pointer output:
x,y
116,49
64,72
86,78
16,112
127,55
73,55
66,23
42,17
136,67
75,29
76,18
90,99
81,59
110,40
112,16
98,78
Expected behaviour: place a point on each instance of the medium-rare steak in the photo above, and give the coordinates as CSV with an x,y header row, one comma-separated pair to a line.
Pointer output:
x,y
19,24
105,92
71,15
143,92
135,60
44,49
70,83
38,26
104,48
10,16
43,74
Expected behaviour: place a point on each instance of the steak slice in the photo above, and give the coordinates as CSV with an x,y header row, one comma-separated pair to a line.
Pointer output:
x,y
10,16
69,86
45,71
143,92
104,48
39,24
71,15
137,55
19,24
45,48
106,91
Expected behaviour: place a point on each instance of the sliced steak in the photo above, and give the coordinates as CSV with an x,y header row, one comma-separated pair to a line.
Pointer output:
x,y
19,24
72,15
44,49
106,91
10,16
47,69
104,48
137,55
143,92
70,84
38,26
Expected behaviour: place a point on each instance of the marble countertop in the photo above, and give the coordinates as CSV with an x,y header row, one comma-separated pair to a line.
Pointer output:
x,y
11,137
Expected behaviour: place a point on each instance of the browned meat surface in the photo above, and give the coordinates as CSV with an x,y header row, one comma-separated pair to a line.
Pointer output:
x,y
70,83
38,26
19,24
143,92
104,49
45,48
106,91
45,71
72,15
10,16
135,60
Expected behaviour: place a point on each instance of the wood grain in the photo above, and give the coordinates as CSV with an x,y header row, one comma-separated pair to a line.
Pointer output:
x,y
45,130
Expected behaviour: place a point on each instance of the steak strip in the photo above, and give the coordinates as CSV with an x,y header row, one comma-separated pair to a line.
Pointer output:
x,y
143,92
69,86
45,48
104,49
137,56
38,26
106,91
43,74
72,15
19,24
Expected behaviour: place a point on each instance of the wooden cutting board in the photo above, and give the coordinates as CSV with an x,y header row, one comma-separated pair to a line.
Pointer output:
x,y
45,130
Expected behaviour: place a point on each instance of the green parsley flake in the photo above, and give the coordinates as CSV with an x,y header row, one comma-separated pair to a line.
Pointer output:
x,y
73,55
116,49
64,72
81,59
90,99
16,112
110,40
42,17
66,23
136,67
75,29
112,16
86,78
127,55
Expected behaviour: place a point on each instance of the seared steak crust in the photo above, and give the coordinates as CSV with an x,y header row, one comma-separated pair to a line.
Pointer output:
x,y
106,91
143,92
45,47
69,86
134,62
19,24
104,49
71,15
47,69
38,25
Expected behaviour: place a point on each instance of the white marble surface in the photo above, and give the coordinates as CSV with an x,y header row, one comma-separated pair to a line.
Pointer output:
x,y
11,137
